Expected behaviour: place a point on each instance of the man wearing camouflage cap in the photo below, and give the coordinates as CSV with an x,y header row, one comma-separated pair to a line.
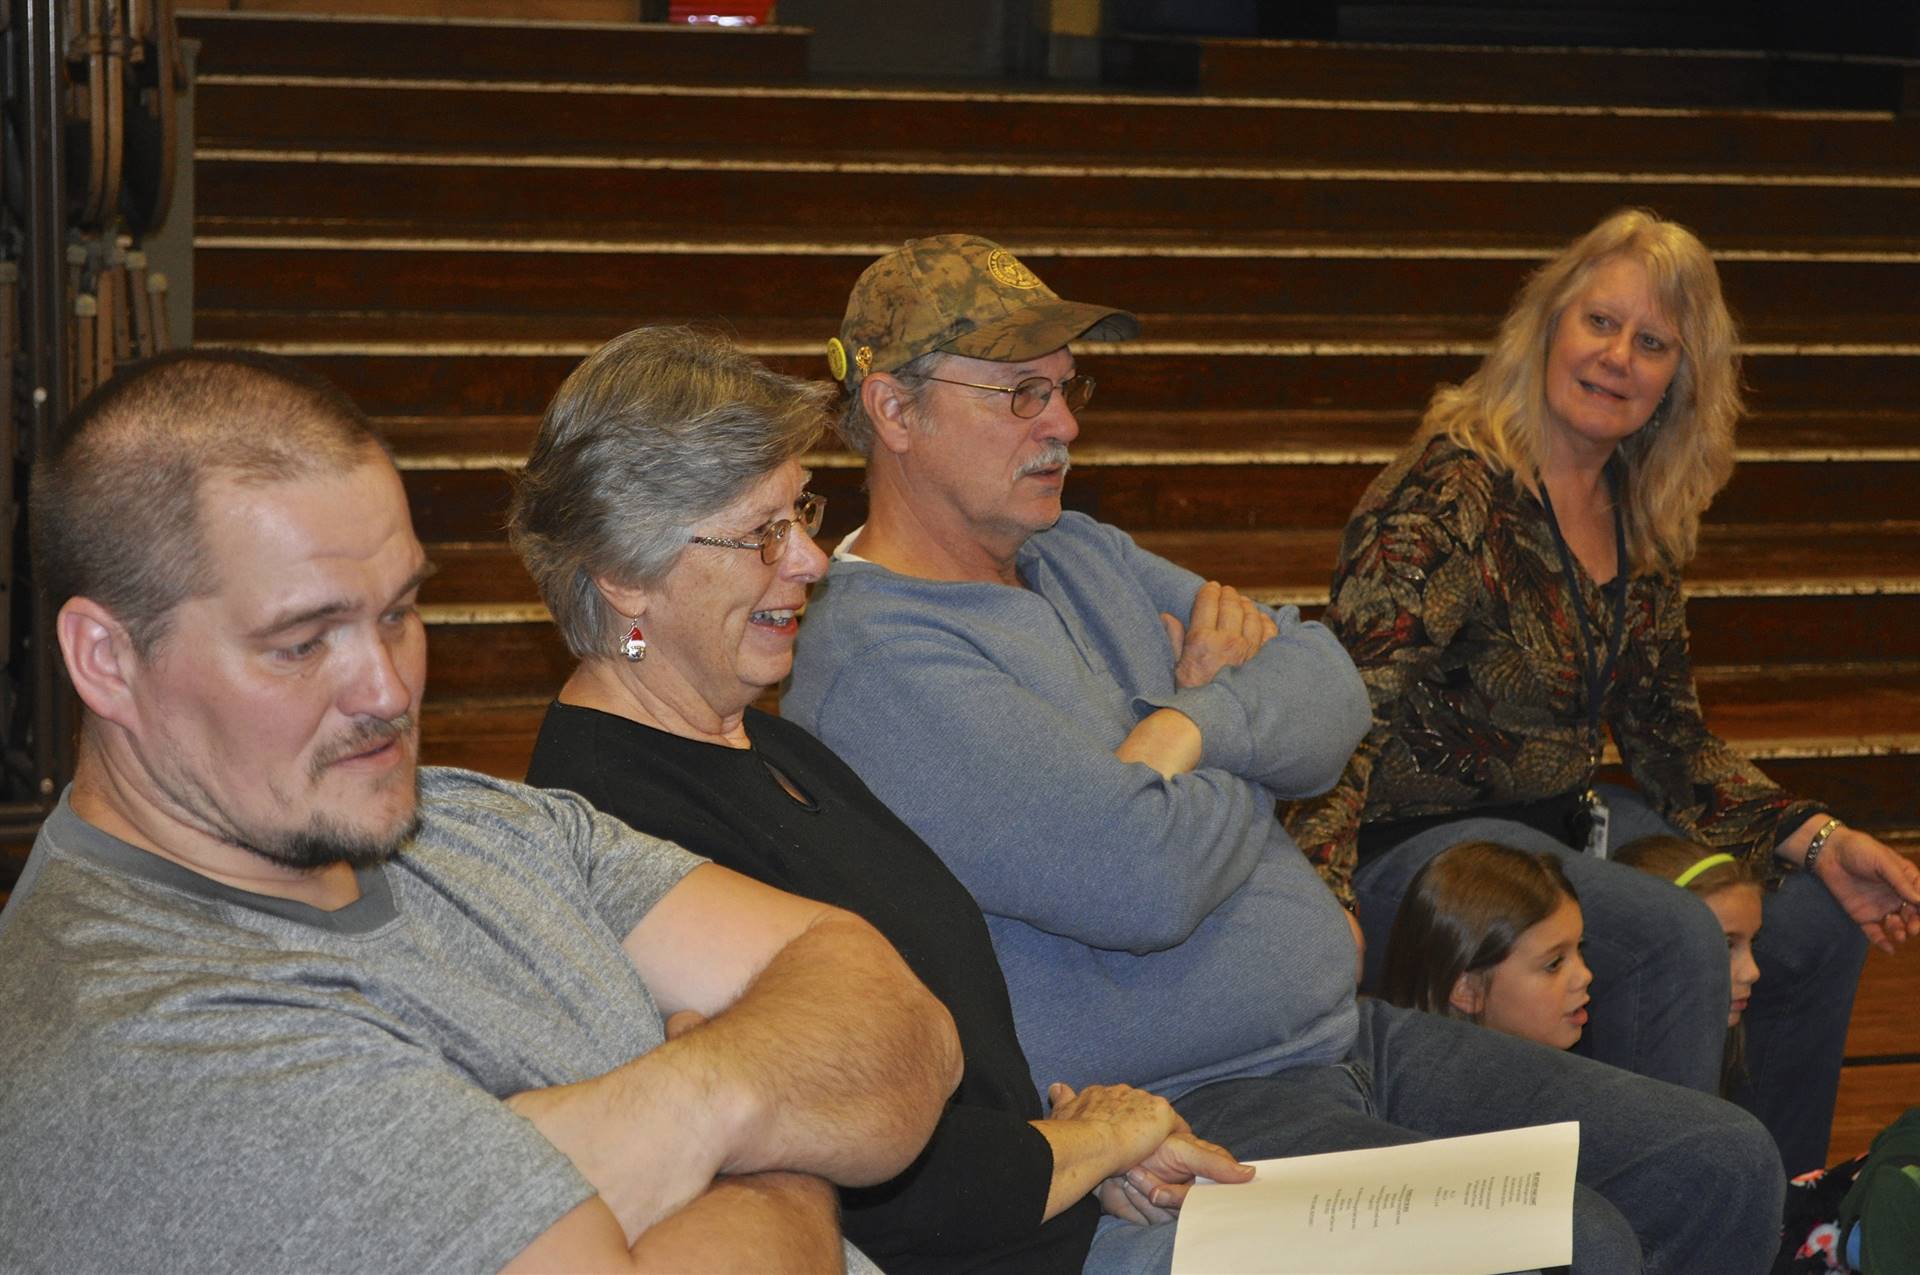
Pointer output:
x,y
1094,739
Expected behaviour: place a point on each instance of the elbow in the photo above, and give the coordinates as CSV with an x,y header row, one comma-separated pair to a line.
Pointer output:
x,y
951,1064
1346,716
921,1094
1354,708
927,1067
927,1092
1356,721
1164,937
1178,912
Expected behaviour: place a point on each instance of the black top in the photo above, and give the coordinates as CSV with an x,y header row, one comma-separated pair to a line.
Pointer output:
x,y
973,1200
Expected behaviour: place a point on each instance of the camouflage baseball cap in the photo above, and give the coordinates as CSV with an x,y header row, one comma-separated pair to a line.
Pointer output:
x,y
965,295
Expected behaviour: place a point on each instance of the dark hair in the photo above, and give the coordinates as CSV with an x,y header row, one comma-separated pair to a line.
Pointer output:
x,y
1462,914
659,428
115,513
1668,857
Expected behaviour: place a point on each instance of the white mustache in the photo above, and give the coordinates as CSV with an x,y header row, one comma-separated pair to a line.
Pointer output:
x,y
1054,457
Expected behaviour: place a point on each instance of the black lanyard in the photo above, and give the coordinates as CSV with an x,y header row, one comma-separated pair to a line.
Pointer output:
x,y
1596,678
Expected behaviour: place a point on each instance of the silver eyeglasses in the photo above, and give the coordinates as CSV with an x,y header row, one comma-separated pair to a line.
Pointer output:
x,y
1031,395
808,511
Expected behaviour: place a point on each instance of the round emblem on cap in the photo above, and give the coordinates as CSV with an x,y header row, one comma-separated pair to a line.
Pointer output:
x,y
836,358
1006,267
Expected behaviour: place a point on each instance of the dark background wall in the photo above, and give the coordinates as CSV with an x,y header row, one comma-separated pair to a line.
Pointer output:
x,y
904,39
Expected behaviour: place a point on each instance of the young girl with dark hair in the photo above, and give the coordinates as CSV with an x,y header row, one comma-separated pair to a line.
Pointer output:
x,y
1492,934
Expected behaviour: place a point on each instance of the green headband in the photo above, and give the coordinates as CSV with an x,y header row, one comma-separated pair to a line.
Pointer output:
x,y
1711,861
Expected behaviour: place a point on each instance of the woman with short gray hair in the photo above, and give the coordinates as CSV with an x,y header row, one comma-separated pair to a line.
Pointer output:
x,y
664,514
658,430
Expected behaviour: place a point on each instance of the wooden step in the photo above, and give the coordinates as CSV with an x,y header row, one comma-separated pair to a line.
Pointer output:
x,y
492,49
344,289
467,503
770,121
267,191
1460,73
1844,594
522,10
1882,1076
1202,437
484,651
1799,729
1793,611
1883,1009
1871,1098
428,379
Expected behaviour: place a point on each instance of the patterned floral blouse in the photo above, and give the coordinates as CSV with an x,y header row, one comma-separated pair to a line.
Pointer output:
x,y
1451,597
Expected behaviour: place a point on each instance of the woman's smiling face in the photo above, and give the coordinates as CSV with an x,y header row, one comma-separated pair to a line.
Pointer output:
x,y
723,620
1614,353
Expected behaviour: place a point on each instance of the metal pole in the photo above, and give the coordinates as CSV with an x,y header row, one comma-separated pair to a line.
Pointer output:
x,y
45,324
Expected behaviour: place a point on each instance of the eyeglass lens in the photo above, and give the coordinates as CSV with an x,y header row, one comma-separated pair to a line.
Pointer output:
x,y
1031,395
812,511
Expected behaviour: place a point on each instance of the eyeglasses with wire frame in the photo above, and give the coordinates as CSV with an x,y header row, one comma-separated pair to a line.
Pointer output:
x,y
1031,395
809,511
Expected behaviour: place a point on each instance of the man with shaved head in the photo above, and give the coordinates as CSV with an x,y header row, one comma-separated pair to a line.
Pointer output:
x,y
277,998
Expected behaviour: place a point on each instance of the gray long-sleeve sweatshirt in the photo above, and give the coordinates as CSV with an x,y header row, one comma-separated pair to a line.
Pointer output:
x,y
1162,932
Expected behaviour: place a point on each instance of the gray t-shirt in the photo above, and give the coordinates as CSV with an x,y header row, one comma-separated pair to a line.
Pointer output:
x,y
197,1078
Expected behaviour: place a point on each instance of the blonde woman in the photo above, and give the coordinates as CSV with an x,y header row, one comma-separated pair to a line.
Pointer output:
x,y
1510,589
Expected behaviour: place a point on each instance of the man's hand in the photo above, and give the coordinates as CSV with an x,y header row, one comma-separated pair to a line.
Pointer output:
x,y
1224,630
1165,739
1878,887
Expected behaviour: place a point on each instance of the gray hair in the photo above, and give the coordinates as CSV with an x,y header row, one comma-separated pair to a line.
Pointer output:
x,y
658,430
115,514
854,426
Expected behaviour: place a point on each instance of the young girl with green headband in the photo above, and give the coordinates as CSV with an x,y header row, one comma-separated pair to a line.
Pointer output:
x,y
1726,886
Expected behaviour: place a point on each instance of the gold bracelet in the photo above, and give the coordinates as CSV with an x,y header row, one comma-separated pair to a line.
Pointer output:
x,y
1818,844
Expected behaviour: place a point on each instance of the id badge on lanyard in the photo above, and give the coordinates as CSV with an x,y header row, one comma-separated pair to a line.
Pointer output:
x,y
1596,663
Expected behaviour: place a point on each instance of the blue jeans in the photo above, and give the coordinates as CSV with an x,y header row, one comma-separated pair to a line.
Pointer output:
x,y
1669,1179
1810,954
1660,982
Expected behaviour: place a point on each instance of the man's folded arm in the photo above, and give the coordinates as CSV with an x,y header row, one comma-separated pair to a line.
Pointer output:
x,y
763,1222
1033,810
821,1054
1287,718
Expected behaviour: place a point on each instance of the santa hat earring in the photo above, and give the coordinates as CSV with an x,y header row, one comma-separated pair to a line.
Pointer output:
x,y
634,645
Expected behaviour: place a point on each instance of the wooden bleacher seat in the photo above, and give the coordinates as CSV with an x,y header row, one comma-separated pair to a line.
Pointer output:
x,y
1313,237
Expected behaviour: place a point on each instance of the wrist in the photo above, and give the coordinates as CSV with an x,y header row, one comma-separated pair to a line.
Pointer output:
x,y
1818,844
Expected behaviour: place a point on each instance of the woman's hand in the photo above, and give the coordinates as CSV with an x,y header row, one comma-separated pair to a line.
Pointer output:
x,y
1223,630
1878,887
1130,1148
1153,1190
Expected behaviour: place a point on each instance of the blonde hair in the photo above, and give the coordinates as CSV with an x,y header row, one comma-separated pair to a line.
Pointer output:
x,y
1680,459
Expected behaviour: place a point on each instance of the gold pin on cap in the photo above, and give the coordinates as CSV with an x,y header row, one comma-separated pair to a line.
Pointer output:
x,y
1010,270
